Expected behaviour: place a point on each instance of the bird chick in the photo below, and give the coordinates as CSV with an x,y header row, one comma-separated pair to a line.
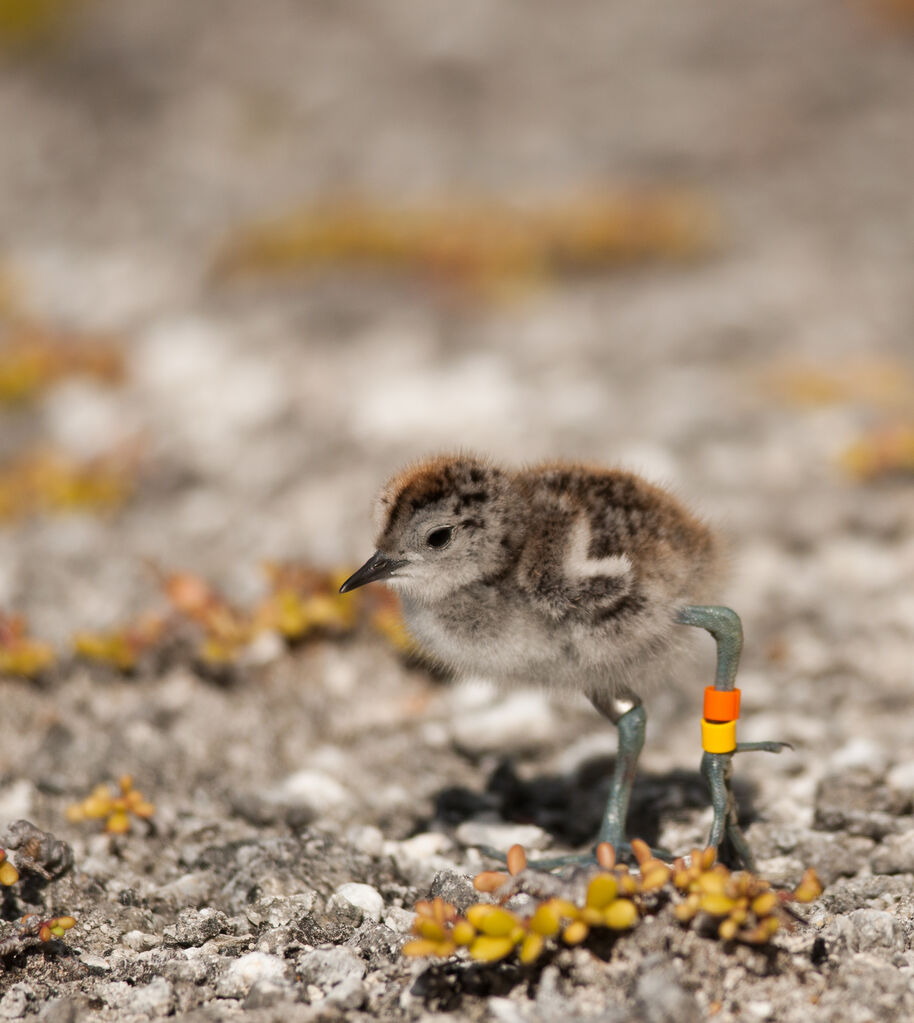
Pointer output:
x,y
564,575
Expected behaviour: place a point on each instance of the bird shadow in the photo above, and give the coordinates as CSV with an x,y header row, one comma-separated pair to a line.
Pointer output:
x,y
570,806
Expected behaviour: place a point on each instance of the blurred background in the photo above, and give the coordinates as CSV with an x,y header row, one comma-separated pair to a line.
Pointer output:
x,y
254,257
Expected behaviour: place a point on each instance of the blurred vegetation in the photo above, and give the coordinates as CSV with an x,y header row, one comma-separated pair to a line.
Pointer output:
x,y
114,807
302,603
33,358
480,242
20,654
51,481
883,391
29,22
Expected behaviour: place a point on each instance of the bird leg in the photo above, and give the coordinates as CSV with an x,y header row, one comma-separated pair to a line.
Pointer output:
x,y
627,714
717,767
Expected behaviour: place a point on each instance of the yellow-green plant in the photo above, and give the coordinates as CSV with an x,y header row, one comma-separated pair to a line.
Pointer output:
x,y
113,807
741,906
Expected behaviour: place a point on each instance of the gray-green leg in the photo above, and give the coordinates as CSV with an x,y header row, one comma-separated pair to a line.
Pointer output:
x,y
726,628
629,716
632,724
717,768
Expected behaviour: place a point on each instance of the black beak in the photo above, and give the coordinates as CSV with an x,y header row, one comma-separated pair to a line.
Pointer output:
x,y
378,566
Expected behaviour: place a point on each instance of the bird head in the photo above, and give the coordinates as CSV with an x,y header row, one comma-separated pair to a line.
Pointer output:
x,y
441,525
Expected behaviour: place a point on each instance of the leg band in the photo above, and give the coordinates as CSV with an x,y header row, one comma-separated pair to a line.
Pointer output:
x,y
718,736
721,704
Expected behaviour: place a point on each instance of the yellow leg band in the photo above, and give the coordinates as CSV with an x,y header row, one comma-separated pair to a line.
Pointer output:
x,y
718,737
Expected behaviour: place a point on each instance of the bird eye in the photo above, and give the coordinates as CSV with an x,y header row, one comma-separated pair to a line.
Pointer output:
x,y
439,538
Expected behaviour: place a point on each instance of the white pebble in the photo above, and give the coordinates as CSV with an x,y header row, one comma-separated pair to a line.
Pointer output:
x,y
140,941
248,969
858,752
365,898
316,790
420,847
399,920
520,721
15,801
367,839
15,1003
152,999
502,836
901,776
761,1010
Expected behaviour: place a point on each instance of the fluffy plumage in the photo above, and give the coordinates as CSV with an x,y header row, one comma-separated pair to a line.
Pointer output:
x,y
561,574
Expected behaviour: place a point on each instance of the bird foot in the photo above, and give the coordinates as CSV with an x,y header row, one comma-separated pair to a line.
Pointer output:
x,y
717,769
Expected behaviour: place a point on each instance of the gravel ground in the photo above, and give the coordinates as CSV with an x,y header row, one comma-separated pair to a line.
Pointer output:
x,y
268,411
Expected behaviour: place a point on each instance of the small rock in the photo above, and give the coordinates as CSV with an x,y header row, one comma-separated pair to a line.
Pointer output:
x,y
399,920
519,721
196,926
280,911
15,1003
251,969
418,858
502,836
376,943
661,995
761,1010
454,888
276,940
901,778
503,1010
858,802
858,752
258,810
320,793
865,930
366,900
190,967
868,991
140,941
153,999
348,995
60,1010
192,889
833,855
95,964
327,967
266,993
368,840
420,847
16,800
895,855
115,994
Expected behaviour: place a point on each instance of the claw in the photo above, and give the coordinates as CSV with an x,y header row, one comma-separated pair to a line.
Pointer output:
x,y
762,747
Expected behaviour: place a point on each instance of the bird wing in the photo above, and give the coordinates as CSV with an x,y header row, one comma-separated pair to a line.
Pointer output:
x,y
560,575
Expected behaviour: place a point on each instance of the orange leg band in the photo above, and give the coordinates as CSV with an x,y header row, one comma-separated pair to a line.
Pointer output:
x,y
721,704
